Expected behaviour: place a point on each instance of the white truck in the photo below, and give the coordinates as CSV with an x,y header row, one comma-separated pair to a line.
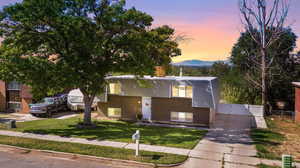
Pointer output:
x,y
75,100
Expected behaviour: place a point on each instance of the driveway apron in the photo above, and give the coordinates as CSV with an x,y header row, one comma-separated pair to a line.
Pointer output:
x,y
227,144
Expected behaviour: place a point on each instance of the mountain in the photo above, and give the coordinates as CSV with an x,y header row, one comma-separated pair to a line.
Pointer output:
x,y
196,63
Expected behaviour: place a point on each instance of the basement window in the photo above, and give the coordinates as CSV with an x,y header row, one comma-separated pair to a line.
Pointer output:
x,y
181,117
114,112
14,105
182,91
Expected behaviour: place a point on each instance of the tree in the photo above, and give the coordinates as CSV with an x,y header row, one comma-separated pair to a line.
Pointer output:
x,y
281,71
220,69
85,40
262,17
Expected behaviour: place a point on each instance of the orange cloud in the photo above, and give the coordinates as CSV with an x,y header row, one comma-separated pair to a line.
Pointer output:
x,y
209,39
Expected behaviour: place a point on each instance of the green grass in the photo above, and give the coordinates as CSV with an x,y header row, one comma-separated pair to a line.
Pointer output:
x,y
115,131
266,140
93,150
266,166
4,115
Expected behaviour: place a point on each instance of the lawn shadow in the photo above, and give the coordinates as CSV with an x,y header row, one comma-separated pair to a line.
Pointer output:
x,y
153,157
266,137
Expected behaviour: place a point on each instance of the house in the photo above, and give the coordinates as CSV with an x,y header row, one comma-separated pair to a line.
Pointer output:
x,y
14,97
164,99
297,101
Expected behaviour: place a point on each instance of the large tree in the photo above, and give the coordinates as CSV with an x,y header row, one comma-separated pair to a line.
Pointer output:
x,y
84,40
282,68
260,18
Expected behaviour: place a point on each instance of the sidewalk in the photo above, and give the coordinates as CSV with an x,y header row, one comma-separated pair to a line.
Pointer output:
x,y
144,147
228,148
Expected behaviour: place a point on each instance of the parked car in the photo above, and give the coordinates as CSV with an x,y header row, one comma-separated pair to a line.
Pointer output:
x,y
75,101
49,105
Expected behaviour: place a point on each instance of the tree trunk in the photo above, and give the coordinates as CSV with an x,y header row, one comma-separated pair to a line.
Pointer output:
x,y
264,88
88,100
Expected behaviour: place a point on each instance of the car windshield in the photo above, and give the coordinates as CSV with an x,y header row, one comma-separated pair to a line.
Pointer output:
x,y
48,100
75,99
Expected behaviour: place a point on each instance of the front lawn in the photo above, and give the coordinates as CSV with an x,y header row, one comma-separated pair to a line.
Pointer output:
x,y
266,166
281,137
93,150
115,131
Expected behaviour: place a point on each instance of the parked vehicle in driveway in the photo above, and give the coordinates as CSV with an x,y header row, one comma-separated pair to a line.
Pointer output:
x,y
49,105
75,100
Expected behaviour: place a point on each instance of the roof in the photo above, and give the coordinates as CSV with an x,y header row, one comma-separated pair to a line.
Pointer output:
x,y
75,92
296,84
177,78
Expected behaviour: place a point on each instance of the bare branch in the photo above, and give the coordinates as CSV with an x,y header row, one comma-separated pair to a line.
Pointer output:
x,y
265,23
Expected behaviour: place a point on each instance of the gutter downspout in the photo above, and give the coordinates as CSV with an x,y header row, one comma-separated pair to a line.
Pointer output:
x,y
212,116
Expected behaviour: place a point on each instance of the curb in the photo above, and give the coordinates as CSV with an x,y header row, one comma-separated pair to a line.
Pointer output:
x,y
89,157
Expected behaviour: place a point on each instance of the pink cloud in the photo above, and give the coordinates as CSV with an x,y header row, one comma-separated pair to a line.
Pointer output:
x,y
211,39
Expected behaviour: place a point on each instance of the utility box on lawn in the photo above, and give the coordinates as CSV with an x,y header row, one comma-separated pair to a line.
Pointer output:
x,y
11,124
287,161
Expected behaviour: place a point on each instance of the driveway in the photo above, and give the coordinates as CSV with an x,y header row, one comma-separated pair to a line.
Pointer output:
x,y
227,145
19,117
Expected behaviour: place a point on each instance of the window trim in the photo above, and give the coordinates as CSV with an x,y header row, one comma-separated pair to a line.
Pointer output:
x,y
114,116
181,120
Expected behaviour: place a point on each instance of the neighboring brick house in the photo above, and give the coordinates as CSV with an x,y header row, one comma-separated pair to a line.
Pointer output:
x,y
14,97
169,99
297,101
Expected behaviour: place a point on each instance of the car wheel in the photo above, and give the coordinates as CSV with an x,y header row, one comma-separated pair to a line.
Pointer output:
x,y
35,115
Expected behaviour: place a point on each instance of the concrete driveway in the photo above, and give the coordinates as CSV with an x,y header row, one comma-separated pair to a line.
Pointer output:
x,y
19,117
226,145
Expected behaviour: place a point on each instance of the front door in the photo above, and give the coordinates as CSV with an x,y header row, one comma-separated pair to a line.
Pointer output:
x,y
146,108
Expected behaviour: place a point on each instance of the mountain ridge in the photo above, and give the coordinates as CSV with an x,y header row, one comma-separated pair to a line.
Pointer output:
x,y
197,63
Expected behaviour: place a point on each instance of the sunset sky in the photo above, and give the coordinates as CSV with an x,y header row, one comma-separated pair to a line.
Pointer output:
x,y
212,26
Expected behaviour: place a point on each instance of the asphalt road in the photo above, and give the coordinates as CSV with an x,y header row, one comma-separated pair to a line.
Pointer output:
x,y
14,158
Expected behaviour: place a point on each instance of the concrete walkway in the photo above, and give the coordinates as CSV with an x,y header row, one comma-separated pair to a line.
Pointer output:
x,y
151,148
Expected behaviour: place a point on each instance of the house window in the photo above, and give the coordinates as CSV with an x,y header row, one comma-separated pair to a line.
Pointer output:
x,y
14,105
181,117
13,96
114,112
14,86
115,88
182,91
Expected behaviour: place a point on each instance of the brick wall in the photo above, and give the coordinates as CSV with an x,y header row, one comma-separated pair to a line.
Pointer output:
x,y
25,105
26,98
26,92
2,96
297,104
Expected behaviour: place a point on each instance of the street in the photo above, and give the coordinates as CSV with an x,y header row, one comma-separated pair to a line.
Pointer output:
x,y
15,158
